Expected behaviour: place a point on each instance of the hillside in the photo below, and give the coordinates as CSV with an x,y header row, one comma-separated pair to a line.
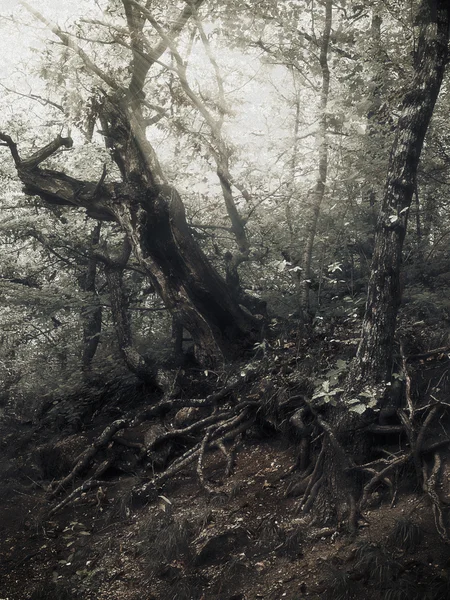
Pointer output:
x,y
238,523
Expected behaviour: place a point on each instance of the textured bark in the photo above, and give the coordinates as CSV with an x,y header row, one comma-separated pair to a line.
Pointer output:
x,y
152,215
319,189
119,310
149,211
345,441
91,316
374,356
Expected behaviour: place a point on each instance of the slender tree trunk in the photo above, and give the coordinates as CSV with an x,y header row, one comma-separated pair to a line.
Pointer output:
x,y
119,310
91,316
319,189
114,269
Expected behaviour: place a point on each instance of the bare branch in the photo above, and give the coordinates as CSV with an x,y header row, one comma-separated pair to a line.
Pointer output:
x,y
70,43
141,67
7,141
35,159
36,97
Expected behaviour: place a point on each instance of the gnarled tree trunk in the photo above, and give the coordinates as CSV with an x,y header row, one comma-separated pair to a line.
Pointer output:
x,y
152,215
149,210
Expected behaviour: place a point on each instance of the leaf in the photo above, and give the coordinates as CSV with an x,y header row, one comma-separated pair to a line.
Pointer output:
x,y
165,499
335,391
367,394
359,408
353,401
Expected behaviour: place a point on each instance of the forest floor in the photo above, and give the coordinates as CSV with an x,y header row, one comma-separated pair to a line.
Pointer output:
x,y
246,540
204,535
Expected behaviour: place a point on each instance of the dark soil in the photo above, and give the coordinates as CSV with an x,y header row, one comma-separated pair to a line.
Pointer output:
x,y
243,540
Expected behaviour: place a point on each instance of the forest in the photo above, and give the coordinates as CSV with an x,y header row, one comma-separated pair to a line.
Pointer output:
x,y
224,300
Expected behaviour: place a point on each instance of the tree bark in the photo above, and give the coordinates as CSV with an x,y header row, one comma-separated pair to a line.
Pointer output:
x,y
374,357
149,211
319,189
345,443
114,269
152,215
91,316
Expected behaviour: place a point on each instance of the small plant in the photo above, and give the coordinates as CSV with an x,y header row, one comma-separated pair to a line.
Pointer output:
x,y
165,543
237,489
339,586
186,588
292,545
405,588
270,536
406,535
49,590
231,578
439,589
52,462
374,563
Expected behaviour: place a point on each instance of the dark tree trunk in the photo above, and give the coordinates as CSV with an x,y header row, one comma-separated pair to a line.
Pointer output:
x,y
374,356
91,315
149,211
152,215
336,485
119,310
114,269
318,193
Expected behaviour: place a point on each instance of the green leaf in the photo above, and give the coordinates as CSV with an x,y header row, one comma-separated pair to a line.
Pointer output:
x,y
353,401
358,408
370,394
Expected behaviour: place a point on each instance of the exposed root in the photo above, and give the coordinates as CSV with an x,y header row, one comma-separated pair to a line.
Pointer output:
x,y
314,477
87,485
218,426
201,454
345,461
226,430
229,455
381,476
86,457
417,449
312,495
409,402
429,486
